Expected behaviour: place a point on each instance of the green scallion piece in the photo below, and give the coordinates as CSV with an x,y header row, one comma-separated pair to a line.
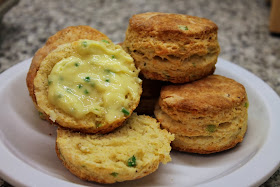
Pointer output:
x,y
131,162
69,90
80,86
125,111
84,44
114,174
105,41
86,91
183,27
87,79
107,71
211,128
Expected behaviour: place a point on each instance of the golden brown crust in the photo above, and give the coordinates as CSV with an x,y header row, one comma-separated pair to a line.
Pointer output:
x,y
67,35
179,144
212,94
186,75
194,136
100,130
186,124
181,148
172,47
86,129
206,116
166,25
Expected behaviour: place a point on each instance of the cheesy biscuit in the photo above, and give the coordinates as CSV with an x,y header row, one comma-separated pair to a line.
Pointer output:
x,y
206,116
89,86
172,47
67,35
130,152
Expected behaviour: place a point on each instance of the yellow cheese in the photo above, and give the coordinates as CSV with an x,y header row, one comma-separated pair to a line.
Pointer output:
x,y
96,79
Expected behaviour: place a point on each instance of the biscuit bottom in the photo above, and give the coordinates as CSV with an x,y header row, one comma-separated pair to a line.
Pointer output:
x,y
208,144
130,152
175,69
195,135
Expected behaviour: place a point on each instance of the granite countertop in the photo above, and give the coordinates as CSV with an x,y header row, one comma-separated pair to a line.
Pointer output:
x,y
243,30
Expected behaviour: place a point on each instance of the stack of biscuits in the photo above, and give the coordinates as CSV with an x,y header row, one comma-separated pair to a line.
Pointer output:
x,y
206,112
99,138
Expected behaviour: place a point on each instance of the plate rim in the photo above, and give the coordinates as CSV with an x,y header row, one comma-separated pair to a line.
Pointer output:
x,y
266,171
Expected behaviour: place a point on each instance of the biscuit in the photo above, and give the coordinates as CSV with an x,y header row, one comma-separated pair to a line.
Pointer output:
x,y
130,152
88,86
67,35
172,47
206,116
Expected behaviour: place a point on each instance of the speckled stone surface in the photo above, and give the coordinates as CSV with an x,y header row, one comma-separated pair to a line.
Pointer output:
x,y
243,30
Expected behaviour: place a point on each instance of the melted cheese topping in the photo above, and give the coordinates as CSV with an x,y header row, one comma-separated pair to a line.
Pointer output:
x,y
99,78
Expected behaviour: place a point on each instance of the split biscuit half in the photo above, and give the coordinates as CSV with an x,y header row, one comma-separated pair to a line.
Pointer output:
x,y
130,152
89,84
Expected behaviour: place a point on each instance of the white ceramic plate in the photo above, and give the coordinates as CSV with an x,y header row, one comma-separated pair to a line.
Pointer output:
x,y
27,144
